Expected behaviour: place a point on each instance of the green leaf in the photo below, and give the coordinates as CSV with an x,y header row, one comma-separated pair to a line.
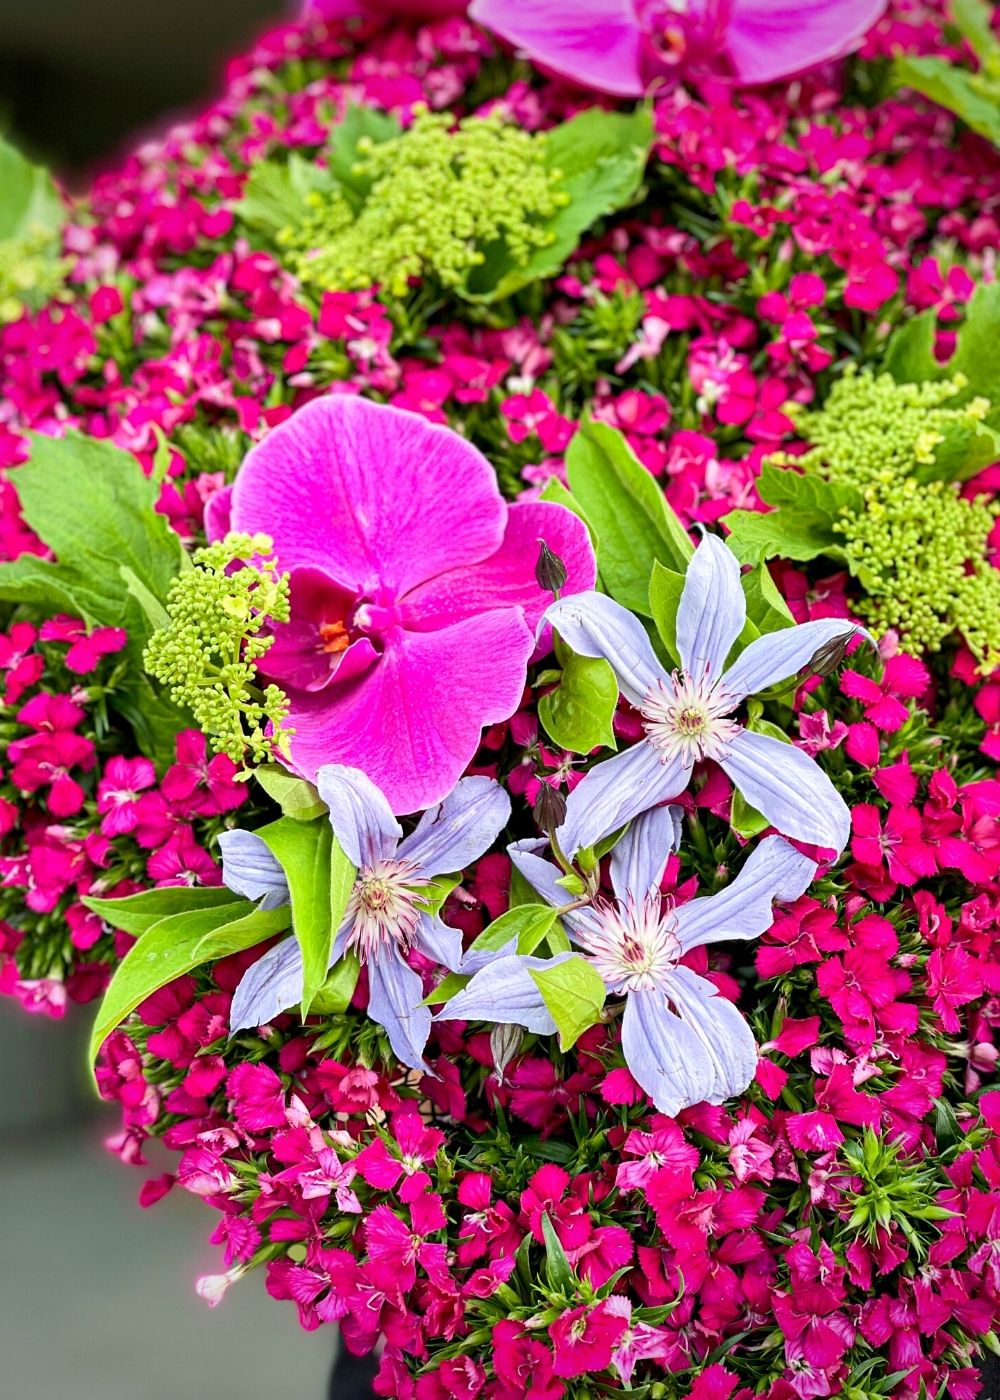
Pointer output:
x,y
447,988
555,491
94,508
434,894
558,1274
634,524
665,589
334,997
745,820
973,97
577,715
528,923
277,194
359,125
909,353
801,526
972,19
136,913
602,157
296,798
29,199
910,359
574,993
303,849
766,608
807,492
173,946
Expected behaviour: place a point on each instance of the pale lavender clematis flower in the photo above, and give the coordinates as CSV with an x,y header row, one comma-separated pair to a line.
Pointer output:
x,y
683,1043
622,46
687,715
384,918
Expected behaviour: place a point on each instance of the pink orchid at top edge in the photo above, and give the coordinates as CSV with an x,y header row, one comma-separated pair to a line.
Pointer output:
x,y
621,46
381,9
414,603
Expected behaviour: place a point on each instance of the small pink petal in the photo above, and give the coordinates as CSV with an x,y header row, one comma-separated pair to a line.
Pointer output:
x,y
594,43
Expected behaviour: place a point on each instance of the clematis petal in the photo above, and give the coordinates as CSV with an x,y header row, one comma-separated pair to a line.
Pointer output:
x,y
505,994
540,874
395,992
701,1052
413,721
507,578
775,870
615,791
594,625
333,487
778,655
439,941
595,43
271,985
250,869
767,41
640,857
712,609
789,788
455,832
361,818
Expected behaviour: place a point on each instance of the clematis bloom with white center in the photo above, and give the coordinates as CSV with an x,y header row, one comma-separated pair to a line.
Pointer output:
x,y
682,1041
689,715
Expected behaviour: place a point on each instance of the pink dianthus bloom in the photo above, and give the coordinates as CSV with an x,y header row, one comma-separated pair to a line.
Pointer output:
x,y
414,599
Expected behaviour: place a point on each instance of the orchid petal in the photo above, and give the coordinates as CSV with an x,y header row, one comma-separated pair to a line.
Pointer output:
x,y
767,41
504,993
615,791
712,609
413,721
702,1053
332,487
458,830
250,868
395,992
361,818
789,788
507,579
593,625
596,43
440,942
640,857
269,986
778,655
775,870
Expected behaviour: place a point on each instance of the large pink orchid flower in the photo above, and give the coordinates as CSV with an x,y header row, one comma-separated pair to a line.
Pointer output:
x,y
382,9
621,46
414,599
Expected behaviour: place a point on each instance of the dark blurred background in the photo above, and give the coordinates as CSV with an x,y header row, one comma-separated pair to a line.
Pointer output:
x,y
78,76
97,1297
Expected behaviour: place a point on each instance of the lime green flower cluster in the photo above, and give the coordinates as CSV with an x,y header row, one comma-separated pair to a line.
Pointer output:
x,y
438,198
207,653
917,545
30,273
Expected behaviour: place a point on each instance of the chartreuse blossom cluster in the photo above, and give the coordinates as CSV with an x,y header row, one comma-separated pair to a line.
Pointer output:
x,y
207,653
440,195
918,546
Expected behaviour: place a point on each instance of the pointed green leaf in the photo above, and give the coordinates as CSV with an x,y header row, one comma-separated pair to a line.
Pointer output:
x,y
303,850
135,913
766,608
296,797
528,923
665,589
334,997
574,993
558,1273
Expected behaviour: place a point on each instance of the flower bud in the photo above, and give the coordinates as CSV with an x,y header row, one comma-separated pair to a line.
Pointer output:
x,y
505,1041
550,571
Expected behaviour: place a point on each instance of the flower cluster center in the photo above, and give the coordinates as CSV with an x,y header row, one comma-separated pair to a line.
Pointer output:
x,y
632,945
685,718
384,907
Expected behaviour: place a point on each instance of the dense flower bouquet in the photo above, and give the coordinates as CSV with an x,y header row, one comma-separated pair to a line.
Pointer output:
x,y
501,685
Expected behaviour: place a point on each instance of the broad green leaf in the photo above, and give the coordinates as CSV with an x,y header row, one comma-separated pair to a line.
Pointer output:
x,y
909,353
520,891
28,198
136,913
528,923
665,589
555,491
296,797
977,351
574,993
766,608
173,946
972,18
303,851
961,453
973,97
807,492
334,997
577,715
602,157
754,535
94,508
635,525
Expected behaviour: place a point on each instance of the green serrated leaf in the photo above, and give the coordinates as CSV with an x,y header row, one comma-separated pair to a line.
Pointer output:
x,y
136,913
634,524
297,798
602,157
303,850
173,946
578,714
277,194
555,492
574,993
